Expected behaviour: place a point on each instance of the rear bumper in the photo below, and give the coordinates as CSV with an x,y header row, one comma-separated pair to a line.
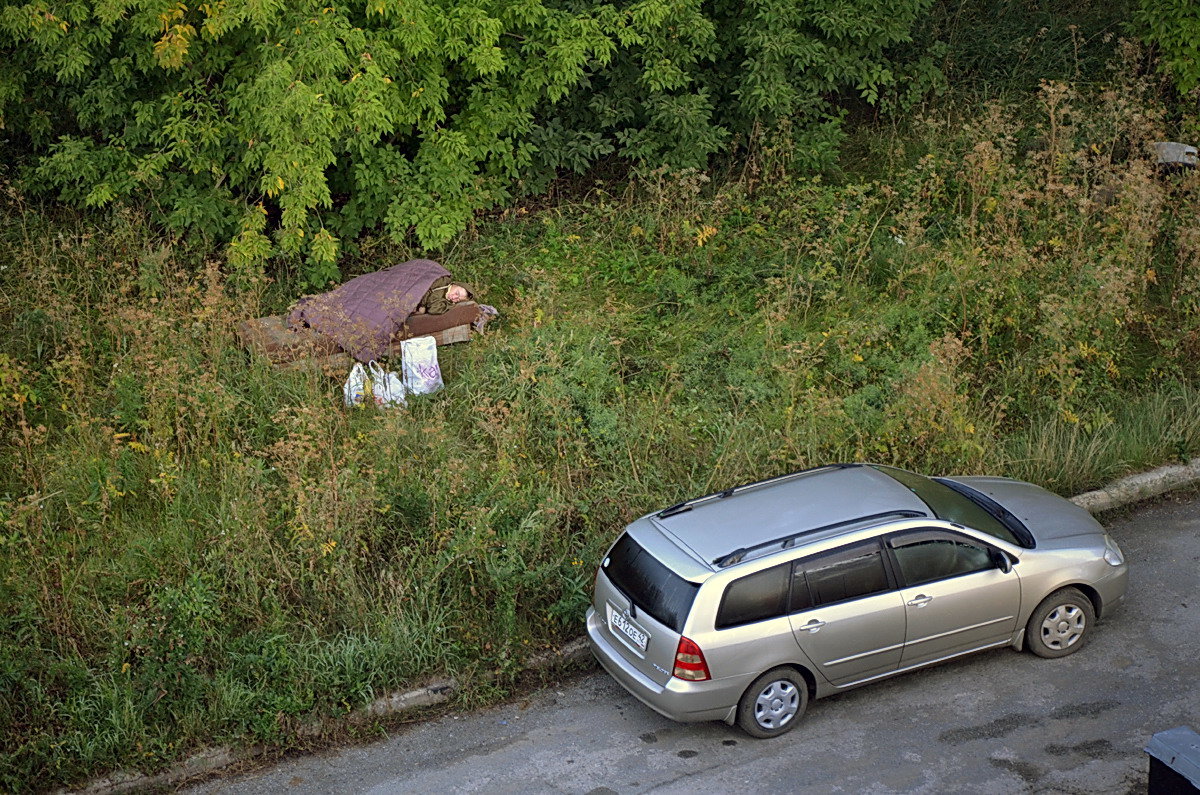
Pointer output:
x,y
678,700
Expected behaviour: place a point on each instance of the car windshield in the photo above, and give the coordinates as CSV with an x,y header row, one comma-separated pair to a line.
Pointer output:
x,y
953,506
649,584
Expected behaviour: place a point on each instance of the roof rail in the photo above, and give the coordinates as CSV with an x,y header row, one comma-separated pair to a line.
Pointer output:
x,y
738,555
686,505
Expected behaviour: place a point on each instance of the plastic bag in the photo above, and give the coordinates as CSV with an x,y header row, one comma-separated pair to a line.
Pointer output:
x,y
419,366
355,389
387,387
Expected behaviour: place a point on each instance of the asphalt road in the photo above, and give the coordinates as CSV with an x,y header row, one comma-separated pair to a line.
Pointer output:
x,y
998,722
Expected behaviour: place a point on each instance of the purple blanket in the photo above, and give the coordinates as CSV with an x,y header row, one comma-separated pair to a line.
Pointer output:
x,y
365,313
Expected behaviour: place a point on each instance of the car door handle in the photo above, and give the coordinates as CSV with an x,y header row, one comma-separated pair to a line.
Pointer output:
x,y
921,601
813,626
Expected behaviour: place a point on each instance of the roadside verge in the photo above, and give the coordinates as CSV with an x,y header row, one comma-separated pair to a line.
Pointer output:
x,y
1118,494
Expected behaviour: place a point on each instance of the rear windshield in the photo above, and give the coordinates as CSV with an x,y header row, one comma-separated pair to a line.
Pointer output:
x,y
650,585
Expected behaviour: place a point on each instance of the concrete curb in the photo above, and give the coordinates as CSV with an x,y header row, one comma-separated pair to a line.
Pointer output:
x,y
428,696
1118,494
1138,487
209,760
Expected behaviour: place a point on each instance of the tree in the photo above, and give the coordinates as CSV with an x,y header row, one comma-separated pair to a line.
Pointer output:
x,y
288,126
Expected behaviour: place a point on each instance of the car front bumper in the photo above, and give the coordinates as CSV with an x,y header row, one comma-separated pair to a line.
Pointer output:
x,y
1112,590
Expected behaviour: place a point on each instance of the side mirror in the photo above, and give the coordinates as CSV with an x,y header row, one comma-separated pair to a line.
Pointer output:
x,y
1001,560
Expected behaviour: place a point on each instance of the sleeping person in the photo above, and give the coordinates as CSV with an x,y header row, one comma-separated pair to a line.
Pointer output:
x,y
443,295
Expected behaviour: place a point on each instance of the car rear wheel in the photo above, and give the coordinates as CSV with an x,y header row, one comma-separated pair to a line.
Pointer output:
x,y
1061,624
773,703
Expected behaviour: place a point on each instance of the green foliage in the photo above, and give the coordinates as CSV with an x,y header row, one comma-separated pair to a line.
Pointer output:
x,y
289,127
1173,26
722,72
332,118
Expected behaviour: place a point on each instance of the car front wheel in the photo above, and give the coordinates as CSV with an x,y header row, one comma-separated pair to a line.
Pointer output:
x,y
1061,624
773,703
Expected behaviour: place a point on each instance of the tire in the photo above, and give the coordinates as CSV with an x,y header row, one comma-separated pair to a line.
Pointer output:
x,y
773,703
1061,624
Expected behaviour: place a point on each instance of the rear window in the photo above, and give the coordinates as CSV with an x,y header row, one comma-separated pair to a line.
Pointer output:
x,y
755,598
649,584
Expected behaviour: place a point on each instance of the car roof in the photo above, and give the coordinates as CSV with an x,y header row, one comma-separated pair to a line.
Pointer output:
x,y
719,526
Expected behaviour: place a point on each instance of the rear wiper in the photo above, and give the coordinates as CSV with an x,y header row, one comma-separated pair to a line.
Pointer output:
x,y
632,604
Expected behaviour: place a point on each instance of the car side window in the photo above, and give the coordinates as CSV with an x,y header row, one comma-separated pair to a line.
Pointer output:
x,y
757,597
846,573
931,555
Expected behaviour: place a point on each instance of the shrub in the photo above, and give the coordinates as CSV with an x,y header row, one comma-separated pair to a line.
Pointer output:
x,y
292,127
1173,27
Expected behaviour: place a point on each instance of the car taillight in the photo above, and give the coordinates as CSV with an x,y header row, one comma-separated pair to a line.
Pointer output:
x,y
689,662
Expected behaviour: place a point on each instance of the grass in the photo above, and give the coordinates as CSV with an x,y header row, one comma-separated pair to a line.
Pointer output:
x,y
1161,425
199,549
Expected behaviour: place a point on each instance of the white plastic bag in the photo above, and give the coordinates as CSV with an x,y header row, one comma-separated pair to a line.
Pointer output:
x,y
355,388
387,387
419,365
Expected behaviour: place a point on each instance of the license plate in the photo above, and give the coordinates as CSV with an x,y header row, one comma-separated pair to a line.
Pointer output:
x,y
624,627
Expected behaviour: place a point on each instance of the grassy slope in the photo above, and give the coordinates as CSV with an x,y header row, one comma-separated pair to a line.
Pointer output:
x,y
196,548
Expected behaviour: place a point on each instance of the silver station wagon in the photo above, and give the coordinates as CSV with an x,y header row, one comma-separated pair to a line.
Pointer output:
x,y
742,605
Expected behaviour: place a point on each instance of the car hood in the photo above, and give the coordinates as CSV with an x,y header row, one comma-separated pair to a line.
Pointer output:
x,y
1048,516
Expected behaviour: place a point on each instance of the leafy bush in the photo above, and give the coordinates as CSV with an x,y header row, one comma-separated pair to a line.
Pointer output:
x,y
1173,26
292,126
990,47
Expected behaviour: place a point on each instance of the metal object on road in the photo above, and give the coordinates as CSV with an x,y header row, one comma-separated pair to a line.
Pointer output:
x,y
1174,762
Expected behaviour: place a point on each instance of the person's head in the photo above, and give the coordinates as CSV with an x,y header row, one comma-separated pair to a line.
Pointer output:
x,y
456,293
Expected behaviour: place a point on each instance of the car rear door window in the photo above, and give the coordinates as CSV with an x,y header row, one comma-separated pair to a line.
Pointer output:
x,y
932,555
757,597
847,573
